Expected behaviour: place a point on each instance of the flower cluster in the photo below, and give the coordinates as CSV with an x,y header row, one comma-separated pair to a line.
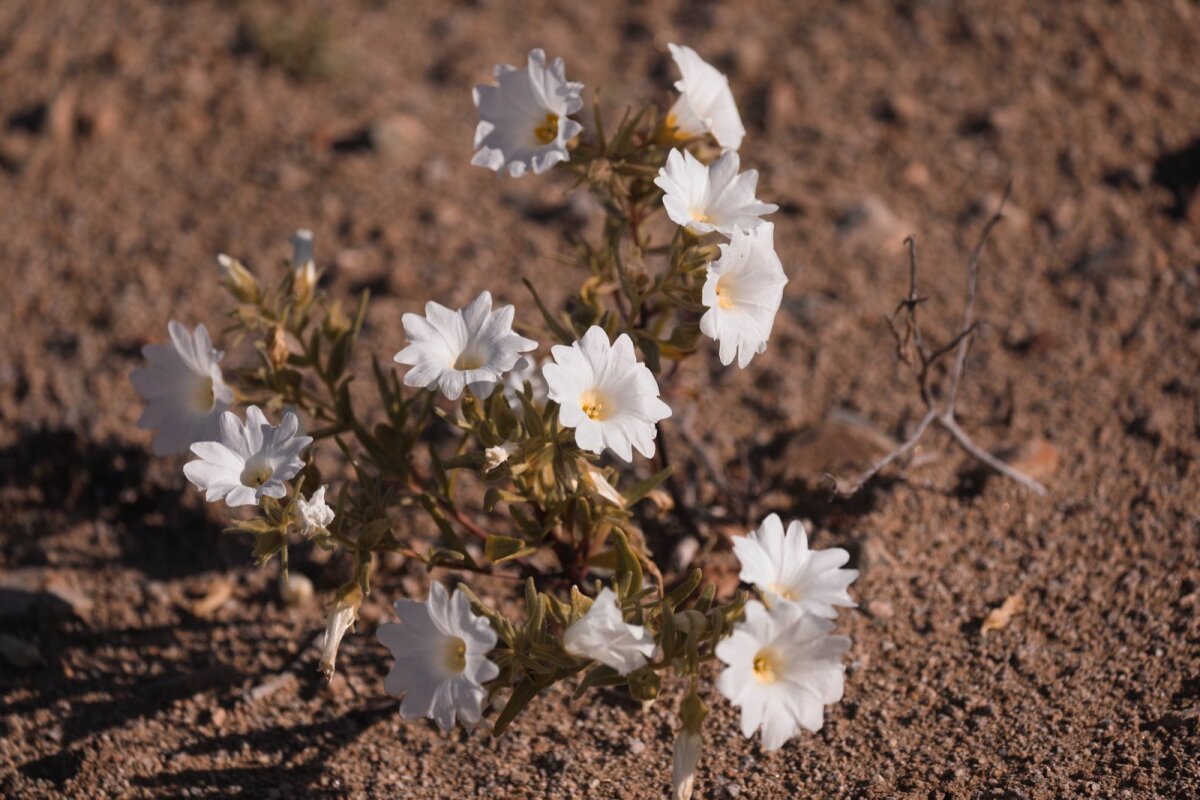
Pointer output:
x,y
548,439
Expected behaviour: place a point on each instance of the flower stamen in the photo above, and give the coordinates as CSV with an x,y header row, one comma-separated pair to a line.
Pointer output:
x,y
766,665
455,654
595,405
547,132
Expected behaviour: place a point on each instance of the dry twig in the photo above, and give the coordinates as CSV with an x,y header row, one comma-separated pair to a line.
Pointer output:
x,y
913,350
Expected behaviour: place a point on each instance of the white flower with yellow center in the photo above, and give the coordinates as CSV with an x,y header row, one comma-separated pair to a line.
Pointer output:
x,y
248,461
705,103
524,117
607,395
743,290
314,513
603,635
441,648
782,567
183,389
783,666
452,350
711,198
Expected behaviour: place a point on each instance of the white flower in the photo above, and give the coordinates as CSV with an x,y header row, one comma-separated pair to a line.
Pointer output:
x,y
470,348
315,514
705,104
341,618
743,291
781,566
523,118
688,745
783,667
441,648
183,389
250,461
711,198
607,395
495,456
603,635
527,369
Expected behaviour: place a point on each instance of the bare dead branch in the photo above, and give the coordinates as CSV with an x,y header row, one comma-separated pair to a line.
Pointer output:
x,y
941,413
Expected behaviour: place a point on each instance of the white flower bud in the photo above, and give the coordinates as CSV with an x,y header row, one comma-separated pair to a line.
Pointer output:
x,y
341,618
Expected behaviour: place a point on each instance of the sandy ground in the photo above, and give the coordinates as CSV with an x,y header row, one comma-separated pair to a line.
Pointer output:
x,y
139,139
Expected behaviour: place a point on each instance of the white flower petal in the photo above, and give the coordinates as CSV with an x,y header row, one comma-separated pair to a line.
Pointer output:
x,y
705,102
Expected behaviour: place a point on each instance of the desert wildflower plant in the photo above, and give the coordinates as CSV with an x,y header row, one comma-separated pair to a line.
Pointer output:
x,y
555,419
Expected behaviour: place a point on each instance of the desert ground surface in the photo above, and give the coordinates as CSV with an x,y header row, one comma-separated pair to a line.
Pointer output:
x,y
140,139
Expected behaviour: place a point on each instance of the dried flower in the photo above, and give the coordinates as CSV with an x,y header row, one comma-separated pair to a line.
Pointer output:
x,y
248,461
602,634
607,395
184,389
315,515
341,618
441,648
523,118
471,348
783,568
494,457
743,291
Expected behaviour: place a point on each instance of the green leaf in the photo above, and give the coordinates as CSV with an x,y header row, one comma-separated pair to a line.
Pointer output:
x,y
499,549
639,490
556,327
628,563
599,675
684,590
522,694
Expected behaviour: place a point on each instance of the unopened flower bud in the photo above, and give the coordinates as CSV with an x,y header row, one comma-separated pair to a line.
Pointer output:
x,y
341,618
644,684
662,501
688,744
277,349
493,457
240,281
602,487
336,322
304,270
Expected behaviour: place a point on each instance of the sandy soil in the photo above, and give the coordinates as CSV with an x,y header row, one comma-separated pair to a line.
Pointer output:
x,y
138,139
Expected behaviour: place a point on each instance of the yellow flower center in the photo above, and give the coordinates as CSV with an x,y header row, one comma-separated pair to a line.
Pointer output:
x,y
766,664
595,405
256,474
547,132
455,654
204,396
783,591
469,361
724,295
700,216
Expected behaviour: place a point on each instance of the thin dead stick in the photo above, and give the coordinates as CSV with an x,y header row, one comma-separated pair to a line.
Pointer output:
x,y
942,413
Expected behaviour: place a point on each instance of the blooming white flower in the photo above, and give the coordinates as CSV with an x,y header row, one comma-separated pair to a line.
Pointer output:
x,y
183,388
688,745
523,118
602,634
441,648
705,103
711,198
781,566
742,291
248,461
527,369
341,618
470,348
607,395
315,514
783,667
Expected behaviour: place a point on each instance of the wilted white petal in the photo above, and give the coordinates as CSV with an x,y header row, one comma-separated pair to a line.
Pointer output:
x,y
341,618
603,635
315,514
688,745
453,350
493,457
